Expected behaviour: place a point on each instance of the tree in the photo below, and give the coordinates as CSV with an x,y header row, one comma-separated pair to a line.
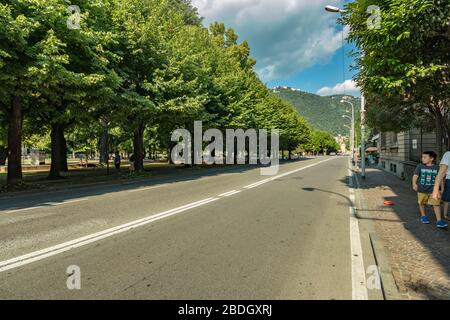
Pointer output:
x,y
405,70
16,56
322,142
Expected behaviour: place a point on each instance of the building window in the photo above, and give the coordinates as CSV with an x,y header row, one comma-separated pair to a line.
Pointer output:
x,y
393,168
394,137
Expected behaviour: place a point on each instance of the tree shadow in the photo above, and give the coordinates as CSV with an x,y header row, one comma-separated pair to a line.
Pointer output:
x,y
42,198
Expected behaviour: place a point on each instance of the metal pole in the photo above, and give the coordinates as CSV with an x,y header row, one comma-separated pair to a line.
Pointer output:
x,y
352,132
363,135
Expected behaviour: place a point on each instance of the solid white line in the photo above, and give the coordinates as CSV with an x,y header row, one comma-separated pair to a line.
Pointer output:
x,y
69,245
257,184
227,194
359,285
48,204
232,193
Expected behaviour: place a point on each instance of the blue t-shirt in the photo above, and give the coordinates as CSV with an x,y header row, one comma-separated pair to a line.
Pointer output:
x,y
427,177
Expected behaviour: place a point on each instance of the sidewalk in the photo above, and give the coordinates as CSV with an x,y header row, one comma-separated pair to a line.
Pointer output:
x,y
419,255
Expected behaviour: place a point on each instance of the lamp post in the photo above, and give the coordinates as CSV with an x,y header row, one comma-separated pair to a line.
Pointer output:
x,y
353,133
352,146
333,9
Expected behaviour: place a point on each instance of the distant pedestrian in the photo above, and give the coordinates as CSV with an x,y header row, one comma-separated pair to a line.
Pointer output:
x,y
117,160
423,183
132,161
443,178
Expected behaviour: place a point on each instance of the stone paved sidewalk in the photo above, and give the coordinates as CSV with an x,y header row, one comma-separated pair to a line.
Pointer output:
x,y
419,254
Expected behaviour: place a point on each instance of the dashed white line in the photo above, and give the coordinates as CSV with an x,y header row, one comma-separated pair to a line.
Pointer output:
x,y
145,189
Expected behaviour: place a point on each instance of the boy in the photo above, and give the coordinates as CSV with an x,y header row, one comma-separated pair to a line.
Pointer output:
x,y
423,183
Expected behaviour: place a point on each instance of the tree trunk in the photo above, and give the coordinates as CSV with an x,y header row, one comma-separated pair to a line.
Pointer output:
x,y
290,154
3,155
138,147
59,152
14,176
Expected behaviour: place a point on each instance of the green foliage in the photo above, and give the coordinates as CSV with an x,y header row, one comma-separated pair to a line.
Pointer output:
x,y
405,69
322,142
140,68
323,113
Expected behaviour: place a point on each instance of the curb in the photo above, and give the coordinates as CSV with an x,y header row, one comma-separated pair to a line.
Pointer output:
x,y
388,284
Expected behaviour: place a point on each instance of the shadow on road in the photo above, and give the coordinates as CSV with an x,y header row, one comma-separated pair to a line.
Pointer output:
x,y
47,198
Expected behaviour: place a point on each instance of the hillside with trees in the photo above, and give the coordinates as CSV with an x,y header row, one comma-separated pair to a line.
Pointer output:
x,y
323,113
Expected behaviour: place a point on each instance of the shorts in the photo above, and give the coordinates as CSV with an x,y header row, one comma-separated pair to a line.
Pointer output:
x,y
427,199
446,194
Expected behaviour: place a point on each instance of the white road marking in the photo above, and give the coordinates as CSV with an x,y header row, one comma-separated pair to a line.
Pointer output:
x,y
147,188
257,184
48,204
233,193
359,285
228,194
69,245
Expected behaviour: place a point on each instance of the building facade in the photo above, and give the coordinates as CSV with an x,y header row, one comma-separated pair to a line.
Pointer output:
x,y
399,153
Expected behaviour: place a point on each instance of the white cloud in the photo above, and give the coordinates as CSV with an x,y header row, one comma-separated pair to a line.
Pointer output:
x,y
286,36
346,87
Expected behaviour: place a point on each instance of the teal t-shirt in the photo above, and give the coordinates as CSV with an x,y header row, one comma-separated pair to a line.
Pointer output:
x,y
427,177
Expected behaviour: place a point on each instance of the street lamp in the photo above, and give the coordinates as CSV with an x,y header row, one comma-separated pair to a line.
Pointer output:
x,y
353,133
333,9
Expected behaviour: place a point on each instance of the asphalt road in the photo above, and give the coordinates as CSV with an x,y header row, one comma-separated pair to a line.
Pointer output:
x,y
223,236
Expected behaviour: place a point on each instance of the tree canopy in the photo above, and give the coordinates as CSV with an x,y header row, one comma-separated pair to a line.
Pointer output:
x,y
404,62
128,72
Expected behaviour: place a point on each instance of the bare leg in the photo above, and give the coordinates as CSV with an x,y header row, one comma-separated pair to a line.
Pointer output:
x,y
423,212
437,212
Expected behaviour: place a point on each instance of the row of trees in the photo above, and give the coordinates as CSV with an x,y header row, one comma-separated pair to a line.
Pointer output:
x,y
125,73
405,69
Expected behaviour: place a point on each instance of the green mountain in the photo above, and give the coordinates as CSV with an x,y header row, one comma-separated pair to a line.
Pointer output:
x,y
323,113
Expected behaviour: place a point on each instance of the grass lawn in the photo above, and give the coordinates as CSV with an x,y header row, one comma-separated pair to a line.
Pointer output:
x,y
91,176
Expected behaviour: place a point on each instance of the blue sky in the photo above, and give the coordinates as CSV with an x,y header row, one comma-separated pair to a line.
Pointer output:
x,y
295,42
